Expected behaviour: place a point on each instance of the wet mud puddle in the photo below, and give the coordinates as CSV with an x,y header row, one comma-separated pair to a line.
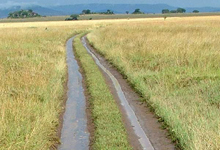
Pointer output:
x,y
143,139
74,134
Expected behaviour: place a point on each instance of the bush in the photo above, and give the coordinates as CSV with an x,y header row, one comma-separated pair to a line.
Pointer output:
x,y
165,11
195,11
138,11
72,17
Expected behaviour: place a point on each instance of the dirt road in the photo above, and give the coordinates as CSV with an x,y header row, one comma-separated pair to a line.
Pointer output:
x,y
142,126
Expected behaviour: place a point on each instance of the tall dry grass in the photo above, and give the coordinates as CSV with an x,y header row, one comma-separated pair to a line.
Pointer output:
x,y
32,74
174,64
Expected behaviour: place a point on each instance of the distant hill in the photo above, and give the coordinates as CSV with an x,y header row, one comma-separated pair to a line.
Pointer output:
x,y
117,8
23,14
4,12
43,11
204,9
122,8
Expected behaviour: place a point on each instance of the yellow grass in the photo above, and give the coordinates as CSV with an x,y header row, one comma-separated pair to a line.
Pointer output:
x,y
174,64
32,73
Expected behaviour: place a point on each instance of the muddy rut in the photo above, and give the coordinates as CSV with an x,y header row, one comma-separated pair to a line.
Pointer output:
x,y
74,134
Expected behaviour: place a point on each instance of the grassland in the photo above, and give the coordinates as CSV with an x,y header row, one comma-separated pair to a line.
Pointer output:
x,y
32,74
174,65
36,19
109,129
134,16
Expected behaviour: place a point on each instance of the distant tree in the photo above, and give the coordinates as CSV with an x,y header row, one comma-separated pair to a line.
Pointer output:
x,y
30,10
68,19
84,12
127,12
109,12
24,14
10,15
181,10
137,11
74,16
165,11
195,11
87,11
173,11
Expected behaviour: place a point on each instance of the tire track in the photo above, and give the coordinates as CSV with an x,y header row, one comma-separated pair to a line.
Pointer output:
x,y
143,139
74,134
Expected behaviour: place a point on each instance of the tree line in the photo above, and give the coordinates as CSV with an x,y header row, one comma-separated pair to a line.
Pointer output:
x,y
108,12
178,10
138,11
88,11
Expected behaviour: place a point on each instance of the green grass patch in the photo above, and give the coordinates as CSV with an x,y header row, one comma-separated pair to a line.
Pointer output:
x,y
110,132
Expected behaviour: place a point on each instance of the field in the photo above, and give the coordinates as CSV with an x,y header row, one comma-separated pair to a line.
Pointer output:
x,y
35,19
32,75
173,64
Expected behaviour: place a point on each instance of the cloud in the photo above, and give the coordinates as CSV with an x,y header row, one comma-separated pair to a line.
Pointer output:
x,y
10,4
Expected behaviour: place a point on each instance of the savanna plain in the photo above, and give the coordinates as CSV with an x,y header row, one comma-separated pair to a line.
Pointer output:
x,y
173,64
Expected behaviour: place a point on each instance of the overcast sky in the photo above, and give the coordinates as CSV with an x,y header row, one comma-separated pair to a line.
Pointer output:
x,y
182,3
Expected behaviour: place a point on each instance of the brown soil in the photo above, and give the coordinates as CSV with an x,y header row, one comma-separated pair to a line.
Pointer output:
x,y
149,122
